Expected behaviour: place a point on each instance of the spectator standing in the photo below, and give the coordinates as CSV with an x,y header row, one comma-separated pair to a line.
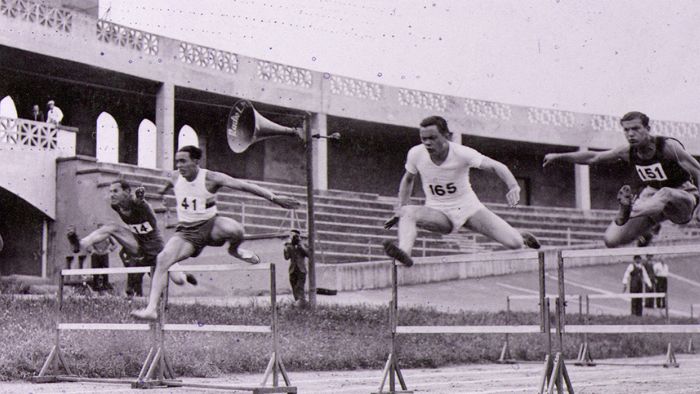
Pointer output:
x,y
634,279
37,114
53,113
649,268
661,272
296,253
100,259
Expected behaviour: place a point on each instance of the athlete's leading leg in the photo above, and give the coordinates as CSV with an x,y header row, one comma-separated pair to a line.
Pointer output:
x,y
674,204
412,217
620,235
491,225
121,234
226,229
177,249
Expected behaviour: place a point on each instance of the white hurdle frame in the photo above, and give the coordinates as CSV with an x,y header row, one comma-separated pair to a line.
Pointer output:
x,y
156,370
622,329
56,360
550,376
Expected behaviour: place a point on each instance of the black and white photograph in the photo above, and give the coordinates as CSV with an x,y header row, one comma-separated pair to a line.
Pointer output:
x,y
349,197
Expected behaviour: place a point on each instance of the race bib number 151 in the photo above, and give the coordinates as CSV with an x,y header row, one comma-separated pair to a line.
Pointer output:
x,y
652,172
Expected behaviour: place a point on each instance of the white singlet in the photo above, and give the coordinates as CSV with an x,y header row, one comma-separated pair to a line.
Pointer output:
x,y
194,202
446,186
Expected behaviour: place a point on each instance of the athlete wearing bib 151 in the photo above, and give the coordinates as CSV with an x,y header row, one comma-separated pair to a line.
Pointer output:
x,y
658,171
446,186
194,202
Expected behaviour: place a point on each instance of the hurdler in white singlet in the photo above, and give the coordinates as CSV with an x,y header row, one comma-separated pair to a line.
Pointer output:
x,y
446,185
194,202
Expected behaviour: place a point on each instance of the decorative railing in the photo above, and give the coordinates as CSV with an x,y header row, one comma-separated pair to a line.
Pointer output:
x,y
660,127
127,37
26,10
25,132
208,57
284,74
487,109
551,117
356,88
422,100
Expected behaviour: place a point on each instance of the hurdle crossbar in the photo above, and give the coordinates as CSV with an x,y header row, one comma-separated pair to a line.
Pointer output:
x,y
626,296
104,326
216,328
536,297
523,329
494,256
655,250
633,329
218,267
104,271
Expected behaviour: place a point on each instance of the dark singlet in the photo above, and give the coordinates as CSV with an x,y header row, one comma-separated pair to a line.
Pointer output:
x,y
659,171
142,223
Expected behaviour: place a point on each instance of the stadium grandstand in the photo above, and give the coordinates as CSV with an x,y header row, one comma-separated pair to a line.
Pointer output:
x,y
132,97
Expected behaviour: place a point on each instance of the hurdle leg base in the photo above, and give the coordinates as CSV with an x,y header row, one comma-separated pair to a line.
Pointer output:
x,y
44,379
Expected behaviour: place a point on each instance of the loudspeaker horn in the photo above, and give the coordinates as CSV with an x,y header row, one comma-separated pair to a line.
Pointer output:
x,y
246,126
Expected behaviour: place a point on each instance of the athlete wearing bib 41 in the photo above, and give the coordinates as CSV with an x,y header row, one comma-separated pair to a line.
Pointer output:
x,y
667,171
450,202
198,224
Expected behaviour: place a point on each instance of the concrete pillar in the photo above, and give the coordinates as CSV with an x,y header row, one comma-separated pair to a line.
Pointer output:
x,y
319,125
165,124
583,185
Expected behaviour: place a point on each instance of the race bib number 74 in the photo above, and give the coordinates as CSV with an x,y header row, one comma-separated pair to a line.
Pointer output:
x,y
142,228
652,172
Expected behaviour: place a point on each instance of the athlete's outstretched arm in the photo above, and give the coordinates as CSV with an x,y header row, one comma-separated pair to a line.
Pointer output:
x,y
405,191
224,180
500,169
588,157
684,158
406,188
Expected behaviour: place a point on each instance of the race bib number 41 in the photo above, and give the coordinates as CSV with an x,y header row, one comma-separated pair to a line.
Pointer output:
x,y
191,204
652,172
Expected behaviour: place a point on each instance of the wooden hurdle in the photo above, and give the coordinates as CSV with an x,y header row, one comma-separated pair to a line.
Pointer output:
x,y
623,329
156,370
506,357
56,361
552,373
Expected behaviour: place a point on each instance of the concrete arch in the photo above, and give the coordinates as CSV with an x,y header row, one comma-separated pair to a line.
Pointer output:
x,y
187,136
147,144
107,136
8,109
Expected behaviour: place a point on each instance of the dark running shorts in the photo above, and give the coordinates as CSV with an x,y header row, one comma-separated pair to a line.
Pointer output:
x,y
198,235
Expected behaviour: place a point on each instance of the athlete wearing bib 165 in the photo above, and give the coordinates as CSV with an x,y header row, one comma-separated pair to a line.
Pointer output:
x,y
198,224
667,171
450,202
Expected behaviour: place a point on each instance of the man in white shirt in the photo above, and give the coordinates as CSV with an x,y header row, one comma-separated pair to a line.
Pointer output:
x,y
633,277
53,113
450,202
661,272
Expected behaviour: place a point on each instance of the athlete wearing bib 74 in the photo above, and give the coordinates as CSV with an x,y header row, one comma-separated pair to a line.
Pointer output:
x,y
198,223
668,172
450,202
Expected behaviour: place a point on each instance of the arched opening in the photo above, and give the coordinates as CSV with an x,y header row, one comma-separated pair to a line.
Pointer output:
x,y
8,108
147,144
107,139
187,136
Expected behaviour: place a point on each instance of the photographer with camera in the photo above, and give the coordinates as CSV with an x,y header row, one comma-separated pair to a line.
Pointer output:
x,y
297,253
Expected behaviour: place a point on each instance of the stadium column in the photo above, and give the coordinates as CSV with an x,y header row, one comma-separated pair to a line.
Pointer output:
x,y
319,125
583,185
165,125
